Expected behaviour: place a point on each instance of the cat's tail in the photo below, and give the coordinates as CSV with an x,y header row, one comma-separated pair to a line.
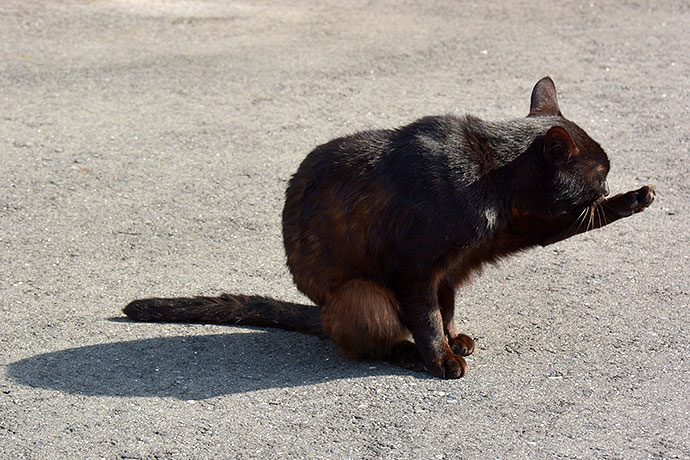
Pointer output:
x,y
229,309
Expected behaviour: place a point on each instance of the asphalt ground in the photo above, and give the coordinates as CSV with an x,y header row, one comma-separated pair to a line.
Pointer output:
x,y
145,148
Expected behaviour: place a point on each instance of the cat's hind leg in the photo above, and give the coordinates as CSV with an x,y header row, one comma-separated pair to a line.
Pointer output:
x,y
405,354
363,320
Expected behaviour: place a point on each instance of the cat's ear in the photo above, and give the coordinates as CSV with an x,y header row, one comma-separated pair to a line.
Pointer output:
x,y
544,100
559,146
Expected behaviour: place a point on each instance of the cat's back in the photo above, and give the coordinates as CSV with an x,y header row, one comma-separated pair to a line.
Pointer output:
x,y
397,161
402,154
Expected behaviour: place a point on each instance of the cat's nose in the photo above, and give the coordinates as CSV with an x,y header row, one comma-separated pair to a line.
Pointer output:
x,y
606,189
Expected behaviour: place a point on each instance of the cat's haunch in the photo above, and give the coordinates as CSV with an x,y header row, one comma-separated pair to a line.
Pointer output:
x,y
382,227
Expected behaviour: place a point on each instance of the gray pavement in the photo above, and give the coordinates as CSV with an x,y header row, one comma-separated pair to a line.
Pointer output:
x,y
144,151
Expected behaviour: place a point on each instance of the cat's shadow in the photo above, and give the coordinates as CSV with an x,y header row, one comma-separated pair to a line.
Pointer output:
x,y
193,367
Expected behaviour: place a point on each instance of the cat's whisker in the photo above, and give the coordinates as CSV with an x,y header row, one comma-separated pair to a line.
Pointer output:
x,y
604,220
610,212
600,217
580,221
574,228
590,218
607,206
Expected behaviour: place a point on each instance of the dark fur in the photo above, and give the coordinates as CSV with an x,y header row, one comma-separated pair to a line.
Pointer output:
x,y
381,228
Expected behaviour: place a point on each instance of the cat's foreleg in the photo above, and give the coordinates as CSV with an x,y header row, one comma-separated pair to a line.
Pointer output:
x,y
461,344
603,213
423,318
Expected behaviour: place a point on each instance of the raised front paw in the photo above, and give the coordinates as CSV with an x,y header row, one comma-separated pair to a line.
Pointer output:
x,y
627,204
449,366
645,197
461,344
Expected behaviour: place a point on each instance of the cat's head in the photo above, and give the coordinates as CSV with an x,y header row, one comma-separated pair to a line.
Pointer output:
x,y
576,166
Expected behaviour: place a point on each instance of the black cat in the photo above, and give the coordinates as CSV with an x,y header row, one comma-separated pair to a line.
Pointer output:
x,y
381,228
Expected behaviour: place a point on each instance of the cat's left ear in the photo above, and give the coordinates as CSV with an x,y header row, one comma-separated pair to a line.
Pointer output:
x,y
544,100
559,146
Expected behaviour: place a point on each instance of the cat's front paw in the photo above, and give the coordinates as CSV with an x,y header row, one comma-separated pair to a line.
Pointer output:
x,y
645,197
634,201
449,366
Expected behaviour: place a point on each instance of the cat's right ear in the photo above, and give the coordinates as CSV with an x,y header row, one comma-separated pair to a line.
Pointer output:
x,y
559,146
544,100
